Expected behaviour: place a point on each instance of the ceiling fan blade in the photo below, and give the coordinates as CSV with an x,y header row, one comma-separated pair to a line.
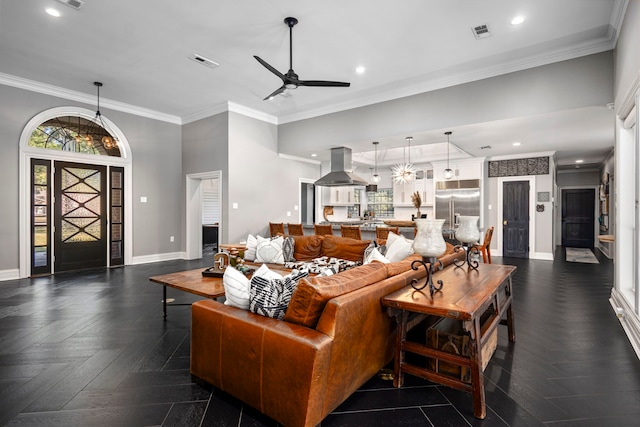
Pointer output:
x,y
322,83
269,67
276,92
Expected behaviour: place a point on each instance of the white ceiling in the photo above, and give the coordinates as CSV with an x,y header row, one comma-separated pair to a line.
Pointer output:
x,y
140,49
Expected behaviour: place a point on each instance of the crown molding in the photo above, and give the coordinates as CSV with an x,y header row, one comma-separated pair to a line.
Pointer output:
x,y
203,114
617,17
72,95
250,112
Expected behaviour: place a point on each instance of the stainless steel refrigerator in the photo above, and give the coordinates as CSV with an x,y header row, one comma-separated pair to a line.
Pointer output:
x,y
455,198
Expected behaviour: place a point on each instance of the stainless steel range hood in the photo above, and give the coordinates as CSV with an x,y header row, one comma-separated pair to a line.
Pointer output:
x,y
340,174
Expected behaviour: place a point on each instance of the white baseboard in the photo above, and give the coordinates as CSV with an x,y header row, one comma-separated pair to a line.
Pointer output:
x,y
12,274
146,259
628,319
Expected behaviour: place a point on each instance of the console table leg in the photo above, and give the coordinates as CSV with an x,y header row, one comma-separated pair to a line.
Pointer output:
x,y
511,328
401,334
164,301
477,376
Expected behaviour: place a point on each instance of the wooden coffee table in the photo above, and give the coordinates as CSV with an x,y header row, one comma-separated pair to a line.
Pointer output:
x,y
190,281
465,296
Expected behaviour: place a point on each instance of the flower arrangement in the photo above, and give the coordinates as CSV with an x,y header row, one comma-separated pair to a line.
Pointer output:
x,y
417,201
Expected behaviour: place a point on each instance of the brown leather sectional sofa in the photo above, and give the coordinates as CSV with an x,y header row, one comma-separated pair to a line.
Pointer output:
x,y
335,336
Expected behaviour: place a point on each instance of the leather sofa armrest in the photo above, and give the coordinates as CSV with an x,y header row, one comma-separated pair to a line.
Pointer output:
x,y
277,367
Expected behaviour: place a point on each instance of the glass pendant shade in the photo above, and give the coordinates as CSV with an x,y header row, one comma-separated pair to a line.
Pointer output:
x,y
429,241
448,173
376,177
467,231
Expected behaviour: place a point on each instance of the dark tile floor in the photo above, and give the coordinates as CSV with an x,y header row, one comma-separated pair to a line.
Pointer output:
x,y
92,349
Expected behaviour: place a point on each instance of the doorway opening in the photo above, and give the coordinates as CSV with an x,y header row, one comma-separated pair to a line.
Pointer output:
x,y
204,214
578,217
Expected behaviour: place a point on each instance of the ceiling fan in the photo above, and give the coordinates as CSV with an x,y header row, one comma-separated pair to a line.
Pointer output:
x,y
290,79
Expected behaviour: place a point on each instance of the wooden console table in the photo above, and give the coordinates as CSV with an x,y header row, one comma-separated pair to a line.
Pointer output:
x,y
466,296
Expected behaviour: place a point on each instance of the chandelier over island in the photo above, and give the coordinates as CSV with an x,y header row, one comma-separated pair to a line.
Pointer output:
x,y
404,172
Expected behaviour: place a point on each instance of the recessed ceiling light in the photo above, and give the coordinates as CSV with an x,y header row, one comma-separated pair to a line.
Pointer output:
x,y
53,12
314,155
517,20
579,161
517,144
360,69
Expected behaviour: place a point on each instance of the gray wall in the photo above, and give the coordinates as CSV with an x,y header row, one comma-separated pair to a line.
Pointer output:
x,y
576,83
205,148
156,158
578,178
627,54
264,185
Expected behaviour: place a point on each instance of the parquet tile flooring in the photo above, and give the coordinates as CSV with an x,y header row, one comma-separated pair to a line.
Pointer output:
x,y
92,349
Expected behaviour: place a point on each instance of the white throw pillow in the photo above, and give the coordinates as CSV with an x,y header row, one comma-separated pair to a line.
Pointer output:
x,y
398,247
250,252
375,255
270,250
266,273
236,288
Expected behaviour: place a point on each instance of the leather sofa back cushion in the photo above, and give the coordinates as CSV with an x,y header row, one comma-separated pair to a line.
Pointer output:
x,y
311,295
344,248
307,247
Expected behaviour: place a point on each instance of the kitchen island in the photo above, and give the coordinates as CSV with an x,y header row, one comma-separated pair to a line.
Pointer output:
x,y
367,227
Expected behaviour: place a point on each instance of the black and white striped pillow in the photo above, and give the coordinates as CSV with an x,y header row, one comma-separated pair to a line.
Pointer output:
x,y
270,298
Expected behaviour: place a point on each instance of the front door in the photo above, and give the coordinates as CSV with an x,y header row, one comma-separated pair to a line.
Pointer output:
x,y
515,219
578,218
80,218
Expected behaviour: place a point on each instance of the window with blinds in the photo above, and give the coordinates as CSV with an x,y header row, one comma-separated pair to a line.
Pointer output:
x,y
210,202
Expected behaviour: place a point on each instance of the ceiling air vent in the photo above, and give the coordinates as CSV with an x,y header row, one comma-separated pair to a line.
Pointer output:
x,y
204,61
76,4
481,31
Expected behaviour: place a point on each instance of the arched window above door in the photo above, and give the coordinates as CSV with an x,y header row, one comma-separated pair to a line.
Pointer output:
x,y
74,134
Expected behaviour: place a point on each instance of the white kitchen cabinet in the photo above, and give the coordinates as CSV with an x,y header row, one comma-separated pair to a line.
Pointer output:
x,y
341,196
402,192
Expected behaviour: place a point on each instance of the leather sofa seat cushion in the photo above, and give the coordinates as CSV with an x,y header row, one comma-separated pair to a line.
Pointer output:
x,y
311,295
307,247
344,248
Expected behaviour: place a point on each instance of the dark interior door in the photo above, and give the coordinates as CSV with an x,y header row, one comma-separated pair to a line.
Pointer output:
x,y
578,218
80,237
515,219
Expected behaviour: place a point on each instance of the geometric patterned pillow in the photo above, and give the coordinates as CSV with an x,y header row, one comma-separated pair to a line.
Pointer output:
x,y
270,298
270,250
288,247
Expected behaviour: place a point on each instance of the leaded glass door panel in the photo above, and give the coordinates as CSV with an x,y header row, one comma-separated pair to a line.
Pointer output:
x,y
80,236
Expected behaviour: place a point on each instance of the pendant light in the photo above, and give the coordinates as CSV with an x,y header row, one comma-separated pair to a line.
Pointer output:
x,y
375,178
448,173
404,172
108,141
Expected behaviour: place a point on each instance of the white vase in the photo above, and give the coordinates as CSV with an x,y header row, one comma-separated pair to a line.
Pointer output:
x,y
429,241
467,231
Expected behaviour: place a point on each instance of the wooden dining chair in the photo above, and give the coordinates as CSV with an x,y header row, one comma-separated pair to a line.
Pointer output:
x,y
276,229
351,231
382,233
323,229
485,247
295,229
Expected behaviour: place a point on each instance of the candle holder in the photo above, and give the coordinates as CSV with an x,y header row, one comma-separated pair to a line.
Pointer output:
x,y
433,265
472,255
430,244
468,234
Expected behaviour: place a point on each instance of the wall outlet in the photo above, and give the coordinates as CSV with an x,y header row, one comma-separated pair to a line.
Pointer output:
x,y
295,207
234,206
143,199
172,239
288,213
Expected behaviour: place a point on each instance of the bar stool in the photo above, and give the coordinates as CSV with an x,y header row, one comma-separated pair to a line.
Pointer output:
x,y
323,229
276,229
295,229
351,231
